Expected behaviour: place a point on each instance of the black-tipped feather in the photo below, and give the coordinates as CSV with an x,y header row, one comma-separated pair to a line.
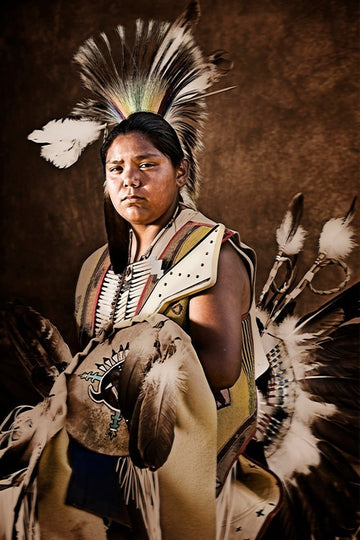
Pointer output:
x,y
158,68
133,425
157,418
347,301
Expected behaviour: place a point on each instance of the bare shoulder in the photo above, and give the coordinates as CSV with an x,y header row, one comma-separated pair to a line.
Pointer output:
x,y
230,259
214,317
232,274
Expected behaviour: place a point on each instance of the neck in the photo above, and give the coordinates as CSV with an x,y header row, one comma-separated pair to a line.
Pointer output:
x,y
146,234
144,238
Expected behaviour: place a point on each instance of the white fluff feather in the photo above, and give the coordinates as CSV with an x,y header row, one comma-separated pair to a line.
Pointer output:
x,y
297,344
63,140
336,239
163,374
298,450
293,245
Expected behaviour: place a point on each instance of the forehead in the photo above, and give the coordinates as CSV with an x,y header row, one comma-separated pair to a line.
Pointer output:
x,y
132,144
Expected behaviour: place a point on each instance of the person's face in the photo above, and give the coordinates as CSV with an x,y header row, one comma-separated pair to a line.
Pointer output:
x,y
142,182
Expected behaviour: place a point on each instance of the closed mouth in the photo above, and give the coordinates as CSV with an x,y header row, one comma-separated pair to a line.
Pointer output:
x,y
132,198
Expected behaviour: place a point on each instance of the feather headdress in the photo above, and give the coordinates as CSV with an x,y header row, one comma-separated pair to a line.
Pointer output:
x,y
157,67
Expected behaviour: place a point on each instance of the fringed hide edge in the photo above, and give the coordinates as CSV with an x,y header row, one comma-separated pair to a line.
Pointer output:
x,y
142,486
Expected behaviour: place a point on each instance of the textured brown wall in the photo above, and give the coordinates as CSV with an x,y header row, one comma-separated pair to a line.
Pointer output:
x,y
289,126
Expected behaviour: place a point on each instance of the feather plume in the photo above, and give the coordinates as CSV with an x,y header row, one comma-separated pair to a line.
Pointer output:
x,y
156,68
157,414
290,238
297,452
63,140
290,235
293,245
336,238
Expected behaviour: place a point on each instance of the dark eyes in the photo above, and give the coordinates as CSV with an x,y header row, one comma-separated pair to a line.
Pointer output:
x,y
119,169
115,169
146,165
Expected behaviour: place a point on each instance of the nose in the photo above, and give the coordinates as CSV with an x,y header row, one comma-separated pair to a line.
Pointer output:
x,y
131,178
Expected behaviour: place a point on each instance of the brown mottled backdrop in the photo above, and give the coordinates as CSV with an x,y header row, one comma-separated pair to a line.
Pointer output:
x,y
289,126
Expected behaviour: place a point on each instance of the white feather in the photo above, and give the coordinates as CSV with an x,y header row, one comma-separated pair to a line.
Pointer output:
x,y
296,242
63,140
298,450
336,239
297,344
163,374
295,447
296,453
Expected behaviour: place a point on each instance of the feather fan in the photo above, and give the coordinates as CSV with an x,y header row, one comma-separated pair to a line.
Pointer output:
x,y
308,418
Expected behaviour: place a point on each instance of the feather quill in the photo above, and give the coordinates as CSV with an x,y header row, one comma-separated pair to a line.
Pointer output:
x,y
64,140
290,245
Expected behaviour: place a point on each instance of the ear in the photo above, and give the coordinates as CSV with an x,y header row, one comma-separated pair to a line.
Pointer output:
x,y
182,173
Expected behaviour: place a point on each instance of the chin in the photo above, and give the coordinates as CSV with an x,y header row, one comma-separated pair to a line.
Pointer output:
x,y
135,217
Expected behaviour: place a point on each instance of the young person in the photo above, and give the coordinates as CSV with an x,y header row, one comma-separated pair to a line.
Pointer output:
x,y
144,433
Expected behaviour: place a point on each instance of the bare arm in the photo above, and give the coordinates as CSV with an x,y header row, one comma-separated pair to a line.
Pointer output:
x,y
215,320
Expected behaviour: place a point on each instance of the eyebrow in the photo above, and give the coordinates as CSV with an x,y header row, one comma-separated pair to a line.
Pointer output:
x,y
139,157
